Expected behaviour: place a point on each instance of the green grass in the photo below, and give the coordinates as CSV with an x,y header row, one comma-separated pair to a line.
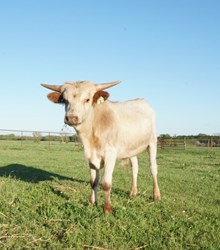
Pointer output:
x,y
44,201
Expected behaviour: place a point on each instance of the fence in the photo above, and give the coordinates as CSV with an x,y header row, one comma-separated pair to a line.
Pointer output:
x,y
210,142
172,143
176,143
37,136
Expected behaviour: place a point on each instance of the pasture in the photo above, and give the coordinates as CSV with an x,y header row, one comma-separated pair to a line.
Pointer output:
x,y
44,201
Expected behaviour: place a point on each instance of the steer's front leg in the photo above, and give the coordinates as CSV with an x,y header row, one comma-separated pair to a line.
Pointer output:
x,y
94,180
94,164
109,164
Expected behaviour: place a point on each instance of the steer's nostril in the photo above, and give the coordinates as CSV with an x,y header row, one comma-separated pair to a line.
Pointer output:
x,y
75,119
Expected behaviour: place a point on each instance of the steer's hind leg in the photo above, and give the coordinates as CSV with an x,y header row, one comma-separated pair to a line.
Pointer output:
x,y
153,167
134,165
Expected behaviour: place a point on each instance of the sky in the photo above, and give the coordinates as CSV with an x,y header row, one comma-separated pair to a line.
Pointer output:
x,y
167,52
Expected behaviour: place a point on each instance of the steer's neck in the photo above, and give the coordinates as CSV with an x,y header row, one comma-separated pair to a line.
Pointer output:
x,y
85,132
85,129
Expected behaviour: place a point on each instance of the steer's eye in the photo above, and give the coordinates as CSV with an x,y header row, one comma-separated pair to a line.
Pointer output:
x,y
87,100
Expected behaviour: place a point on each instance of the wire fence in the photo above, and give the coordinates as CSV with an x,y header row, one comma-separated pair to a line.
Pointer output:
x,y
25,136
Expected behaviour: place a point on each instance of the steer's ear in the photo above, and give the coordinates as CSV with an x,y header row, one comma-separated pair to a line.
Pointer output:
x,y
55,97
100,96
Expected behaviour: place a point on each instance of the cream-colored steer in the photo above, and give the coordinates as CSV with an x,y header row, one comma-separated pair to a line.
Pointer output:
x,y
108,130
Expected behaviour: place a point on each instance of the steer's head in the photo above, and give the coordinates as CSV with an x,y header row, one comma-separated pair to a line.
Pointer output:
x,y
79,98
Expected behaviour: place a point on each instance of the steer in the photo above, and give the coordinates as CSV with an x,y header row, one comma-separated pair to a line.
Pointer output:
x,y
108,130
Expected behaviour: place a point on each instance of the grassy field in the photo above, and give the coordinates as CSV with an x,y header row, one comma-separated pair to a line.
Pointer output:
x,y
44,201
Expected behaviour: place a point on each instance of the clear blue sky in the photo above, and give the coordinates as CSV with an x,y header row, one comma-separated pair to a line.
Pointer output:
x,y
165,51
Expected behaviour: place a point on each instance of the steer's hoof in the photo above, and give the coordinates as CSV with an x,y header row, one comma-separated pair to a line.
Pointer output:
x,y
157,197
93,204
107,209
133,193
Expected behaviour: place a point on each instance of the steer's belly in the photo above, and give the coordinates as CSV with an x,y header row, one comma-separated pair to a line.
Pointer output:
x,y
128,152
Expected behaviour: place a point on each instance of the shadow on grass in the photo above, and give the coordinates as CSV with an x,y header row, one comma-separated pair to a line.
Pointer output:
x,y
32,175
35,175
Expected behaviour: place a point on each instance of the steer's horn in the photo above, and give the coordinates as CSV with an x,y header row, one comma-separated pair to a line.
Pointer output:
x,y
102,86
56,88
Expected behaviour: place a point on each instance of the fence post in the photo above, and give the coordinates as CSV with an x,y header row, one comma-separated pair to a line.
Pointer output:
x,y
209,143
21,138
49,139
161,143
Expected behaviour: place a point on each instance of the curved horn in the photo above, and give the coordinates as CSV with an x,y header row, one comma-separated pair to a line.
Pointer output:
x,y
102,86
56,88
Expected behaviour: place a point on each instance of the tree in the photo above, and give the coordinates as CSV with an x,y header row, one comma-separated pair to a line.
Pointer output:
x,y
165,136
37,136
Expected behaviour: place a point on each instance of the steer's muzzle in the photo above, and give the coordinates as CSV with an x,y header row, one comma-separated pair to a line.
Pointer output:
x,y
71,120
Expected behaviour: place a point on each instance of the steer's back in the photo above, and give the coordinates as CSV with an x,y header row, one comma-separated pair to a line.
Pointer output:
x,y
129,126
